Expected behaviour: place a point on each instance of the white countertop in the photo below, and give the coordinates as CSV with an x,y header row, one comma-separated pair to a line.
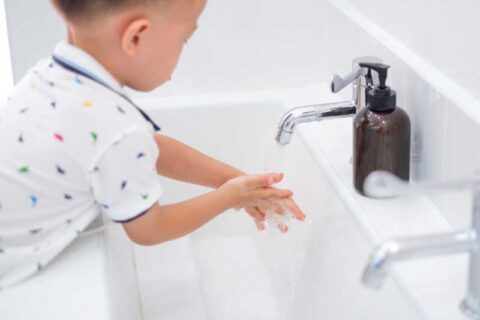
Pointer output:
x,y
434,285
425,281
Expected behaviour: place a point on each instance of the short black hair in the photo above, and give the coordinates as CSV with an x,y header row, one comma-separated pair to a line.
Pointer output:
x,y
76,10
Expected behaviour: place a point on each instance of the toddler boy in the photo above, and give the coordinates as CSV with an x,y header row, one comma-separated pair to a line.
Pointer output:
x,y
74,145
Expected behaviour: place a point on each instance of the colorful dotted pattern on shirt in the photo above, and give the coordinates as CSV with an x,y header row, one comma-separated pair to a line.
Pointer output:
x,y
48,99
59,137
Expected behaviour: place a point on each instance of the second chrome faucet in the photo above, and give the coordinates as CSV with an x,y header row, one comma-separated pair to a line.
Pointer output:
x,y
385,185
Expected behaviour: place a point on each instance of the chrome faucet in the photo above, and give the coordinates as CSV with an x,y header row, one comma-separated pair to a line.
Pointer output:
x,y
385,185
361,79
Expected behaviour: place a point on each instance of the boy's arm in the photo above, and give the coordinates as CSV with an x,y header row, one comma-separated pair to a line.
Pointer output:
x,y
168,222
181,162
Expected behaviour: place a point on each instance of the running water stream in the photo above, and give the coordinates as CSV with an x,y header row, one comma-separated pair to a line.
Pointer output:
x,y
284,253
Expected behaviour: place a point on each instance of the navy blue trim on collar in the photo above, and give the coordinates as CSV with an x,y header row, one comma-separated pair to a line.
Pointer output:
x,y
66,65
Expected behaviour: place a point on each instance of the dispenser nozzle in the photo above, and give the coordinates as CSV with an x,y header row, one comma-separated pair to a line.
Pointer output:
x,y
381,69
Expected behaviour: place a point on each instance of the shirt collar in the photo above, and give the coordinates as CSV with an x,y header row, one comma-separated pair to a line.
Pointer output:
x,y
81,60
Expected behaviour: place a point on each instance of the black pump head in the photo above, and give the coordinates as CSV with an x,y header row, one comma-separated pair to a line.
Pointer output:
x,y
380,98
381,69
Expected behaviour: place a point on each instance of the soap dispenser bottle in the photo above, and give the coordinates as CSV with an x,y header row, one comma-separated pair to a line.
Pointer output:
x,y
381,133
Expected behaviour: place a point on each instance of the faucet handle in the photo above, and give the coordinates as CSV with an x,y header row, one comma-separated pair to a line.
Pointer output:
x,y
383,184
338,82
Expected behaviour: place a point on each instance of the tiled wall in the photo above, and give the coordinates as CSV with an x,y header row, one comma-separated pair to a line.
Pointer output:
x,y
445,137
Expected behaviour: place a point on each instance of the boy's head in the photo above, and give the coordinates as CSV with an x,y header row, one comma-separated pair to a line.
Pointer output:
x,y
138,41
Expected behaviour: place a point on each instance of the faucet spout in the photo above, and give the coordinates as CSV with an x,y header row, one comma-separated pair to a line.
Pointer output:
x,y
361,81
396,250
318,112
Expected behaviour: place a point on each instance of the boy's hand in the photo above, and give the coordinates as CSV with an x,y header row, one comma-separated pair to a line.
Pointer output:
x,y
254,194
248,191
258,213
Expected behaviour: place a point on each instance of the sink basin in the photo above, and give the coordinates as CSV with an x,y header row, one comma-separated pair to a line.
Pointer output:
x,y
228,270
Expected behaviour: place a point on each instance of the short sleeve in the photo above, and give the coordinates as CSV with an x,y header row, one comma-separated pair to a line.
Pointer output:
x,y
124,177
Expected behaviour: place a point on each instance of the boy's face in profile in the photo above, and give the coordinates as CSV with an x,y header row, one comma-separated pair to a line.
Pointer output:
x,y
139,45
161,46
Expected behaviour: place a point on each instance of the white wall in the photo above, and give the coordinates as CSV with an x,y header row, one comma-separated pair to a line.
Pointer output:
x,y
445,128
6,76
253,44
443,33
34,29
248,44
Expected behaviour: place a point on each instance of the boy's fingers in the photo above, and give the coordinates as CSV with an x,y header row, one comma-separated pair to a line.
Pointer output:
x,y
264,205
276,178
258,217
283,228
278,208
260,225
265,193
297,213
255,213
264,180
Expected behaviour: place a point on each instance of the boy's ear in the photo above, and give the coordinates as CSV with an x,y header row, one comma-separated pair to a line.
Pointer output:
x,y
133,35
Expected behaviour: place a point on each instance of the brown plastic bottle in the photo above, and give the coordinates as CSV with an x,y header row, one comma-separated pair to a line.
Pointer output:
x,y
381,133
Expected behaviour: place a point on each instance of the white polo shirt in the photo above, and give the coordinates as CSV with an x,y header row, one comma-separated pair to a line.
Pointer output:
x,y
70,149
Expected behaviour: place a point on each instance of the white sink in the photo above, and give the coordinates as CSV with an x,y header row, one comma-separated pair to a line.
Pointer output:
x,y
227,270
